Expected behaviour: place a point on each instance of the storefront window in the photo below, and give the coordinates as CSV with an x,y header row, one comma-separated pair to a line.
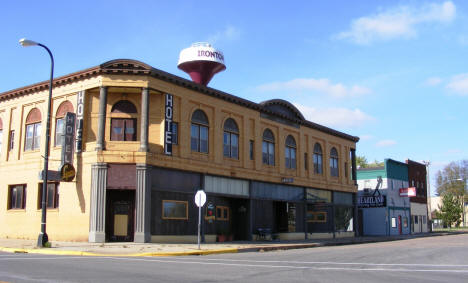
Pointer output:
x,y
343,218
173,209
222,213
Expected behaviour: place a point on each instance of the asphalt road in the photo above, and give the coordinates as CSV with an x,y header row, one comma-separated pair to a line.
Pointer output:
x,y
428,259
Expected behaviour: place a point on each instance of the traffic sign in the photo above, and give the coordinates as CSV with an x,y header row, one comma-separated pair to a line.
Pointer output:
x,y
200,198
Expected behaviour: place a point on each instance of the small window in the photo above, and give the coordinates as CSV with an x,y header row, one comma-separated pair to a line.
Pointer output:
x,y
251,149
17,197
334,162
268,148
405,222
11,142
316,216
62,110
393,222
290,153
33,130
415,219
123,129
318,167
199,132
222,213
52,195
424,219
175,133
174,209
231,139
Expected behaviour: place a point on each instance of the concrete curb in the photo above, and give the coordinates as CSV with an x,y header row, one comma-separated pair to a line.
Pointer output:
x,y
50,251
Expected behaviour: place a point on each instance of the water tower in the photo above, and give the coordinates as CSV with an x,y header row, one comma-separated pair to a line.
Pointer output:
x,y
201,61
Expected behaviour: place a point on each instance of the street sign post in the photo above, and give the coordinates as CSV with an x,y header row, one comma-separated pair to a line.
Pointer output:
x,y
200,199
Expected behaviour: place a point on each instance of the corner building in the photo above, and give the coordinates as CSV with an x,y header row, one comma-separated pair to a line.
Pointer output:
x,y
147,140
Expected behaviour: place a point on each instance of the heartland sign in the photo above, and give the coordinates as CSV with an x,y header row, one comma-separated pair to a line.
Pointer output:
x,y
408,192
372,201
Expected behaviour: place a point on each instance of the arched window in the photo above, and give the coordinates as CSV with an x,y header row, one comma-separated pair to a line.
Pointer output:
x,y
268,148
65,107
199,132
318,168
334,162
231,139
33,130
290,152
123,127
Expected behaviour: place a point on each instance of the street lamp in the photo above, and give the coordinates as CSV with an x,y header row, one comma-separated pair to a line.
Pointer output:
x,y
43,238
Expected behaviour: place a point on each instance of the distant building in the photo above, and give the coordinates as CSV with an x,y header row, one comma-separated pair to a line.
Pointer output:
x,y
419,211
382,210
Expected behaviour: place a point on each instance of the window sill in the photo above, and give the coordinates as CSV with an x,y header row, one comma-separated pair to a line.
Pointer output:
x,y
16,210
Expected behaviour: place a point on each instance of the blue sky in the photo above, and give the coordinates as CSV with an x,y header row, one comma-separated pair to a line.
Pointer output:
x,y
394,73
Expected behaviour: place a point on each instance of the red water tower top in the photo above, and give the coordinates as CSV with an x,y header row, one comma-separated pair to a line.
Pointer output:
x,y
201,61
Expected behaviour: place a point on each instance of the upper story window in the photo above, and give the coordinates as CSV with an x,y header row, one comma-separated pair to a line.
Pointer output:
x,y
65,107
318,160
123,127
199,132
231,139
268,148
33,130
290,152
334,162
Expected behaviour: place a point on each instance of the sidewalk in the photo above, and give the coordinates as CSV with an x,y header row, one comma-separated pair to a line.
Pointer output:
x,y
161,249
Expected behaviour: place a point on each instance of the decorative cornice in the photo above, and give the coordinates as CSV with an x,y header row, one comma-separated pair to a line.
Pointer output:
x,y
134,67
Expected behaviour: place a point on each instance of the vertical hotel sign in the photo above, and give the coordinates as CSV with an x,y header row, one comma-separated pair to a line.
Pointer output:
x,y
79,120
168,124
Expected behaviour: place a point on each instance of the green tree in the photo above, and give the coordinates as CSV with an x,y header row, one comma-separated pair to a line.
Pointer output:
x,y
450,212
452,179
361,161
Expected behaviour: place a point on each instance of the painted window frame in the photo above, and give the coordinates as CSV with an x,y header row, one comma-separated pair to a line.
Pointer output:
x,y
124,136
334,161
12,205
318,159
174,218
35,138
223,209
199,132
314,215
268,148
51,186
290,153
231,136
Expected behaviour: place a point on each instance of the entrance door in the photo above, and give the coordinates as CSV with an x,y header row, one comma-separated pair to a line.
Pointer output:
x,y
120,215
240,219
360,222
399,224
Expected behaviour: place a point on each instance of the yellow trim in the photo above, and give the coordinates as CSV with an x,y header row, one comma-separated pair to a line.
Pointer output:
x,y
315,214
223,208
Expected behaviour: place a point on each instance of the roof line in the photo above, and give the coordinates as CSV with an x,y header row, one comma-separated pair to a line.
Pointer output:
x,y
134,67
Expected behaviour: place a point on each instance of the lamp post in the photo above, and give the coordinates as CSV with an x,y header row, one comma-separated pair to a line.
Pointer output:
x,y
43,238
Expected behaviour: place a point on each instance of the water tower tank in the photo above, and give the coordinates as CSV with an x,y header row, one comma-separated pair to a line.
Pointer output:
x,y
201,61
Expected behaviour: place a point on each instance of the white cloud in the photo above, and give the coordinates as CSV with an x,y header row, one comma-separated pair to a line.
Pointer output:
x,y
459,84
334,117
398,22
366,137
433,81
229,33
320,85
385,143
